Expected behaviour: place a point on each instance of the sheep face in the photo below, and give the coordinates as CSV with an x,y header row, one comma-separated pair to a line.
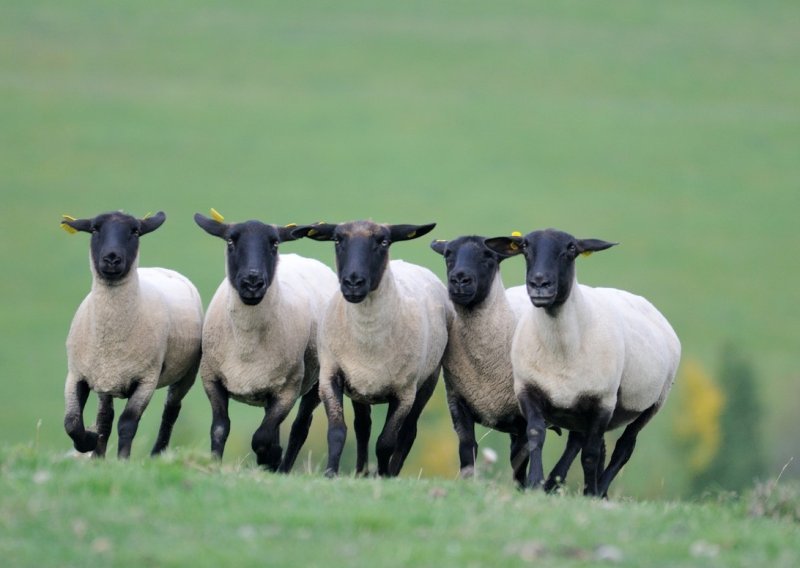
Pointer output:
x,y
362,251
115,241
550,258
252,254
471,268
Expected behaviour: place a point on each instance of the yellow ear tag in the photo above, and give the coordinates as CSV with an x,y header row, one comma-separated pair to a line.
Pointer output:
x,y
586,253
516,234
440,241
291,225
149,214
66,227
411,235
216,216
513,246
311,232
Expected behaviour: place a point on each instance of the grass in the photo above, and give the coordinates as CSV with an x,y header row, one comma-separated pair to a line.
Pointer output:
x,y
182,510
672,129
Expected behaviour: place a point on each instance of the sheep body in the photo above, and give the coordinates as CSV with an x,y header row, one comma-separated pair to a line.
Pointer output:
x,y
270,349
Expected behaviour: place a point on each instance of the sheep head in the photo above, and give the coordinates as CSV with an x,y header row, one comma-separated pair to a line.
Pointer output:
x,y
550,259
362,251
115,241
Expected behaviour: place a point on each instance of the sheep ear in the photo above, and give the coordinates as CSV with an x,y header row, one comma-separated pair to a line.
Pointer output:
x,y
211,226
151,222
408,232
588,246
505,246
439,246
287,233
317,231
73,225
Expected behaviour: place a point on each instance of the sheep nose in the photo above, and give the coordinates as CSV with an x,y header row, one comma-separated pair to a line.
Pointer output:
x,y
460,279
539,280
112,259
253,281
353,281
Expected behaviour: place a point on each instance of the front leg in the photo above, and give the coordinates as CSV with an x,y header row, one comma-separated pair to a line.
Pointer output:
x,y
331,391
218,397
128,423
464,425
266,439
103,424
557,477
536,428
76,392
399,408
593,453
362,422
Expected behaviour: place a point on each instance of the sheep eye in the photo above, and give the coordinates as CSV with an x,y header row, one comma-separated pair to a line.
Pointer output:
x,y
385,243
230,243
274,244
572,248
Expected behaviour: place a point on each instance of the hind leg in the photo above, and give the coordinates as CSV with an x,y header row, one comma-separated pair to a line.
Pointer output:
x,y
558,476
172,407
300,427
624,449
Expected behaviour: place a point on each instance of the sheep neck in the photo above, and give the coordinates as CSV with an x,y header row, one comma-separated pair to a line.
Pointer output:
x,y
254,319
115,307
374,315
493,317
561,331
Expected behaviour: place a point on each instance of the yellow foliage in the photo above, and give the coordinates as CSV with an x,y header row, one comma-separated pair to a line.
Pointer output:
x,y
697,426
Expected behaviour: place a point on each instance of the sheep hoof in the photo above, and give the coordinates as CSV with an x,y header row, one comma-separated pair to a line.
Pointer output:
x,y
87,443
330,474
468,472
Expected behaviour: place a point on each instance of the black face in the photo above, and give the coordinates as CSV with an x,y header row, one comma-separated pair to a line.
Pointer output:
x,y
550,258
115,241
252,254
362,251
471,269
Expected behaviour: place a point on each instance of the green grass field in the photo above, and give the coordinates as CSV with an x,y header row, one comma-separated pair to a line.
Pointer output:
x,y
673,129
183,510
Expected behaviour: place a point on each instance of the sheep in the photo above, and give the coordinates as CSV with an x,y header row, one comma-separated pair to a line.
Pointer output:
x,y
477,364
380,341
586,359
259,336
139,329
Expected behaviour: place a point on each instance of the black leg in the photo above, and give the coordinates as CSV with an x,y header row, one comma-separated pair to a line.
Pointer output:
x,y
557,477
76,394
519,455
362,423
105,420
386,445
408,429
624,449
593,453
172,408
218,396
535,433
464,425
300,427
266,439
332,393
129,419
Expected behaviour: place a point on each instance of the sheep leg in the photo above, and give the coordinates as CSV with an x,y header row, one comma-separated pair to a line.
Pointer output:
x,y
76,393
362,422
408,431
105,419
172,408
300,427
128,423
218,396
519,456
387,441
331,391
464,425
266,442
593,453
558,476
624,449
536,428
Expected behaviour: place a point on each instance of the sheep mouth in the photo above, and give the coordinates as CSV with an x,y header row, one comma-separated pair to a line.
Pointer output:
x,y
542,300
461,297
251,298
354,297
111,274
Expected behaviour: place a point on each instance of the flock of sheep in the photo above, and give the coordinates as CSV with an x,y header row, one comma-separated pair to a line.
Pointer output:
x,y
551,353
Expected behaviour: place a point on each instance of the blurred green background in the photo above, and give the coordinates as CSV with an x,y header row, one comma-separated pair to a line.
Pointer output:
x,y
673,128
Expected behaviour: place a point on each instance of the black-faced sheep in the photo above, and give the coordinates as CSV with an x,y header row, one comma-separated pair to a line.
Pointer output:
x,y
260,336
138,329
381,340
586,359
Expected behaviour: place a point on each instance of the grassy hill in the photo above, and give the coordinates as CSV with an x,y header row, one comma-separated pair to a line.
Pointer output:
x,y
673,129
183,510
